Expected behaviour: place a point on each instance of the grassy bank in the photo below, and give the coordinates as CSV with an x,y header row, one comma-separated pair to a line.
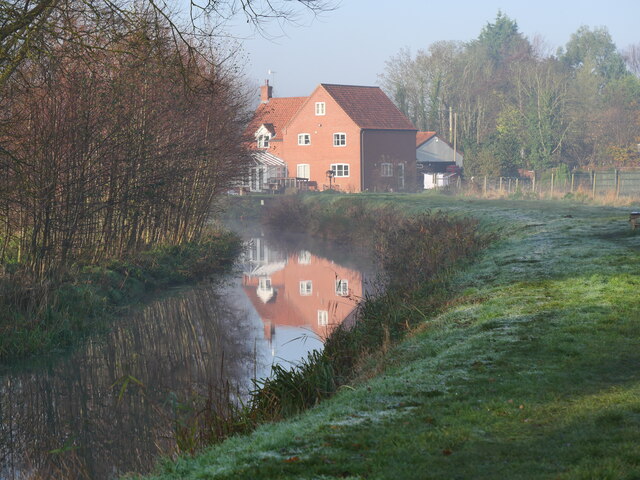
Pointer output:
x,y
39,318
416,254
530,371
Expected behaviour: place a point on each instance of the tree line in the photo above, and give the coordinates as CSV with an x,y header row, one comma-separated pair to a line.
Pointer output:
x,y
119,125
516,106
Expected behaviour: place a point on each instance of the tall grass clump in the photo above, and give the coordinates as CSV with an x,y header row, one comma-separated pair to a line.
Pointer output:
x,y
290,391
45,315
417,254
289,213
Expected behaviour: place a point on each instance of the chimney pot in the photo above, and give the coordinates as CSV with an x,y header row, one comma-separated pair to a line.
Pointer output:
x,y
266,92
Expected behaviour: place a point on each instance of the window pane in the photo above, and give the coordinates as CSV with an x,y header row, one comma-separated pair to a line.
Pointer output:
x,y
304,139
306,287
342,288
340,169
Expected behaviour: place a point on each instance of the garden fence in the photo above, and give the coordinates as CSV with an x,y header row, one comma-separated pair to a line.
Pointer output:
x,y
614,184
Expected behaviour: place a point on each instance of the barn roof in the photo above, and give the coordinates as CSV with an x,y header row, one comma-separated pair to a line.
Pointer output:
x,y
423,137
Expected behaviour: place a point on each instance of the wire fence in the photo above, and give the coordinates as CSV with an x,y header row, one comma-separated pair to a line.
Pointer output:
x,y
613,184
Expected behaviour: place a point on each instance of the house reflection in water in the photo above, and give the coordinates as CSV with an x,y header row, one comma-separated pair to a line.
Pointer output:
x,y
299,295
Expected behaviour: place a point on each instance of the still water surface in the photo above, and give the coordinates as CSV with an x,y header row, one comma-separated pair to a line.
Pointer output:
x,y
109,407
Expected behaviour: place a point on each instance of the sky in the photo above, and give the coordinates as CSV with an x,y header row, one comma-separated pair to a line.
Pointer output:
x,y
351,44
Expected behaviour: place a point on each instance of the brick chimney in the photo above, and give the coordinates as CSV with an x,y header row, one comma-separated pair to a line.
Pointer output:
x,y
266,92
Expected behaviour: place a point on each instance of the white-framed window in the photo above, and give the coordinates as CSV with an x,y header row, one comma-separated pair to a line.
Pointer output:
x,y
263,141
303,171
340,169
304,257
304,139
264,283
320,108
323,318
386,170
342,288
306,288
279,171
339,139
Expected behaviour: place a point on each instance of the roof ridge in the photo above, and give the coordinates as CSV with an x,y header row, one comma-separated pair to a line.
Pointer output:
x,y
377,106
348,85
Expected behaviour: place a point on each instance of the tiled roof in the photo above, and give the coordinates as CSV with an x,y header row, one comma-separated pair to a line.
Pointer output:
x,y
275,114
422,137
369,107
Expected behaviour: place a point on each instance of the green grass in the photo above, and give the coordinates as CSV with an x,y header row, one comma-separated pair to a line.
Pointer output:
x,y
531,372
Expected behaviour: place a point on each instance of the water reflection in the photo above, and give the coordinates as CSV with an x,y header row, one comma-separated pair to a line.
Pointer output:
x,y
76,419
110,407
300,297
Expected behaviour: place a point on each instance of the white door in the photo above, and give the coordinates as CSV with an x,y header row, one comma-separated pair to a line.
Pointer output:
x,y
303,171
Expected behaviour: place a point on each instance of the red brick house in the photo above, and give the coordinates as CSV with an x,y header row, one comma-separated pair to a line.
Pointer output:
x,y
353,134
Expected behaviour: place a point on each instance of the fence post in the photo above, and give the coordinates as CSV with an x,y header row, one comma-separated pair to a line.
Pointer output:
x,y
517,181
459,183
621,185
593,184
617,183
533,182
485,186
500,187
552,182
573,176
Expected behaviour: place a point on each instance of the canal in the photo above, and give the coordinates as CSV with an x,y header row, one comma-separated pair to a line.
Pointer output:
x,y
113,405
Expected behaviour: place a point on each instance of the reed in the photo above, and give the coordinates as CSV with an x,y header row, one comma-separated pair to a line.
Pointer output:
x,y
45,315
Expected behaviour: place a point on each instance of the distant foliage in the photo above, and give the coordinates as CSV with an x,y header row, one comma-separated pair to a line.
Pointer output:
x,y
520,107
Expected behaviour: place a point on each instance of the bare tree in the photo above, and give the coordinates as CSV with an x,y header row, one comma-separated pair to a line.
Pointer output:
x,y
32,27
107,156
632,58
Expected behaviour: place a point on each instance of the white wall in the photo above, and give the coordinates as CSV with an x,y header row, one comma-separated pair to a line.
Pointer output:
x,y
434,180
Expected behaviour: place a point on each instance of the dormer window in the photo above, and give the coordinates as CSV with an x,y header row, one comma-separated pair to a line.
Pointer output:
x,y
320,108
263,141
263,135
